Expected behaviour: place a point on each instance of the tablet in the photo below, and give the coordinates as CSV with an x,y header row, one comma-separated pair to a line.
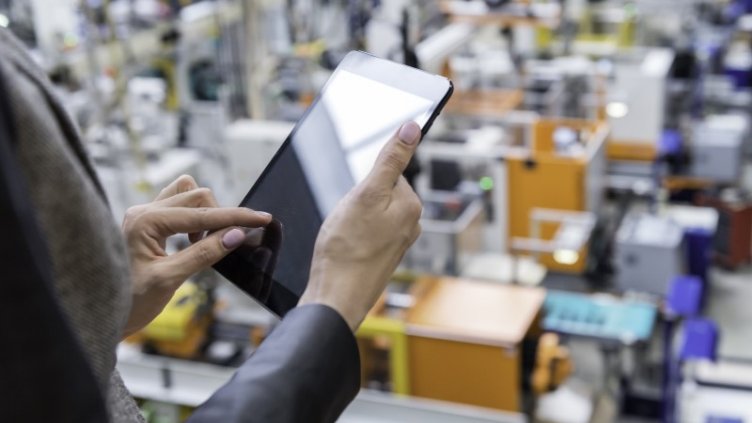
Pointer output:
x,y
330,150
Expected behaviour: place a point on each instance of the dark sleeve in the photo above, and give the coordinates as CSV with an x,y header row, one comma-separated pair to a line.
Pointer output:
x,y
44,375
307,370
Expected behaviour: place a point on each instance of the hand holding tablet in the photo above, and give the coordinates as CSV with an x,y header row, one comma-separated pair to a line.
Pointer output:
x,y
331,150
381,219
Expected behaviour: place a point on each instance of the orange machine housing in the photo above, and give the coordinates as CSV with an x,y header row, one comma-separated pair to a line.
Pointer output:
x,y
465,341
461,341
543,178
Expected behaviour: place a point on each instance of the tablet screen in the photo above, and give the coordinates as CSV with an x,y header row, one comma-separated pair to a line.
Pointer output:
x,y
332,148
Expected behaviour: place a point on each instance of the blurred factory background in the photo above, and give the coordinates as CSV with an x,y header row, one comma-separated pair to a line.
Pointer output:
x,y
588,219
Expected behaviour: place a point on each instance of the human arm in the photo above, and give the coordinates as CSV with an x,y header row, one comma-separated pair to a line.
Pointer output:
x,y
308,369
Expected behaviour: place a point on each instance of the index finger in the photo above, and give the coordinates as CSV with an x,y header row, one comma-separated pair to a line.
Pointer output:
x,y
394,157
175,220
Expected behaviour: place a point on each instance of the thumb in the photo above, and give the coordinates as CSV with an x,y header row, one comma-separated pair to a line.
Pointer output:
x,y
206,253
394,157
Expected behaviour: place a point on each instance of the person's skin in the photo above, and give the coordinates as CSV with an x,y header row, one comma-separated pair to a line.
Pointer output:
x,y
363,240
182,207
358,248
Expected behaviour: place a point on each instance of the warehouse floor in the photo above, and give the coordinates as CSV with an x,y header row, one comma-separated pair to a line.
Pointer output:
x,y
730,305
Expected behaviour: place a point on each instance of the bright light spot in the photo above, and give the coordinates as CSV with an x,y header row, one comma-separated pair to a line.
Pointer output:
x,y
486,183
566,257
617,109
70,40
4,21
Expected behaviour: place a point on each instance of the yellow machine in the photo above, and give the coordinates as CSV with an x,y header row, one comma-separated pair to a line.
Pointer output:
x,y
605,29
548,178
553,364
180,330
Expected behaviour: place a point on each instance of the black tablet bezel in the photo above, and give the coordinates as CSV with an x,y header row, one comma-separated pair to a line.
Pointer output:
x,y
280,299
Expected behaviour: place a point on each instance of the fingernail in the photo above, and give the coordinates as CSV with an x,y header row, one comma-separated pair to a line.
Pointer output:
x,y
233,239
264,214
409,133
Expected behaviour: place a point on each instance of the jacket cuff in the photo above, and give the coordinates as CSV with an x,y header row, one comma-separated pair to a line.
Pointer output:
x,y
308,369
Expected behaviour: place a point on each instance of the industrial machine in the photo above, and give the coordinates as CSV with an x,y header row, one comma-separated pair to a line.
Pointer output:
x,y
452,232
717,149
602,318
573,231
181,329
649,253
564,169
563,87
604,29
553,364
441,342
732,243
700,226
715,391
251,144
636,103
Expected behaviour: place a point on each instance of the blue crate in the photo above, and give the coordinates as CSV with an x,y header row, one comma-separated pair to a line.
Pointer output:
x,y
684,297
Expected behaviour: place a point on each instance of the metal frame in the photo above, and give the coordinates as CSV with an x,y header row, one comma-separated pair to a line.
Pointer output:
x,y
570,222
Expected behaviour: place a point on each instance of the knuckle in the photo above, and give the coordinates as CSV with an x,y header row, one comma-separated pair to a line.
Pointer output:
x,y
134,211
394,160
203,216
133,216
204,194
415,209
161,274
205,253
186,183
371,197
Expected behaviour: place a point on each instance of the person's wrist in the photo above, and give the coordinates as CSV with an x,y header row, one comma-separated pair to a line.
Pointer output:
x,y
348,313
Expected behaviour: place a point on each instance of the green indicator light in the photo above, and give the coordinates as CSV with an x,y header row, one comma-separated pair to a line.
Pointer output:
x,y
486,183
